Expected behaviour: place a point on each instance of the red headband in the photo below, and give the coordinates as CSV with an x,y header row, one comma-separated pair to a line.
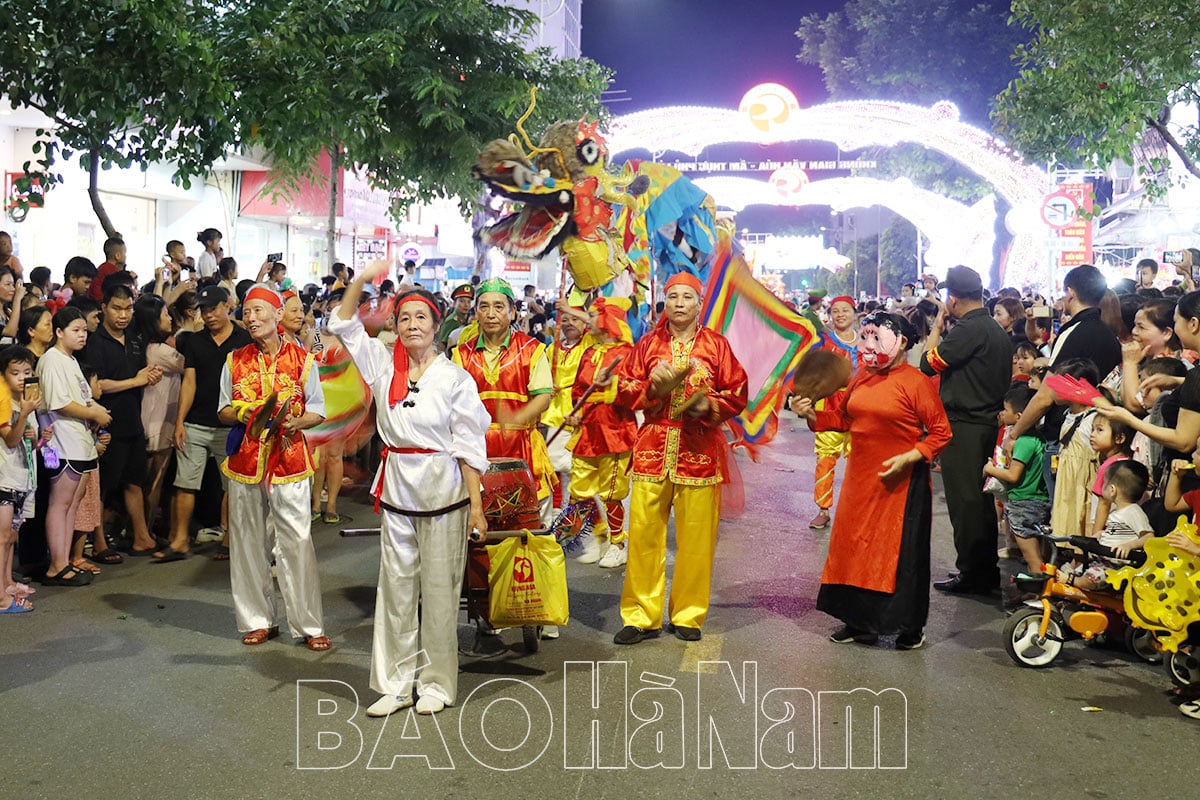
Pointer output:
x,y
843,298
685,279
398,390
610,318
264,294
288,294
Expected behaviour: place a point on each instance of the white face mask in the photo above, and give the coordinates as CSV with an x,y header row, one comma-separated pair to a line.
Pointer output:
x,y
880,347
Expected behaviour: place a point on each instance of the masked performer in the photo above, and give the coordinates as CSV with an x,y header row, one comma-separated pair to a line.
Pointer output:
x,y
841,337
687,382
564,357
512,374
605,433
876,577
272,387
433,426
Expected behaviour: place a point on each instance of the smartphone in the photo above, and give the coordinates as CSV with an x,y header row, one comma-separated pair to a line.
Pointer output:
x,y
185,274
1195,273
166,274
273,257
1175,256
1041,311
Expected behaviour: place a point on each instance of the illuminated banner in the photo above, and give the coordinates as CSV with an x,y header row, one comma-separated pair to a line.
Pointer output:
x,y
1069,210
769,166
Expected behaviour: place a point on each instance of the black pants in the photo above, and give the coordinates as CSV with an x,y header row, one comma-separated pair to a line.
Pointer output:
x,y
972,513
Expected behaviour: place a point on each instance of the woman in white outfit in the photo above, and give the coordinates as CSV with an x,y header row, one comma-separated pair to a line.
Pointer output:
x,y
433,426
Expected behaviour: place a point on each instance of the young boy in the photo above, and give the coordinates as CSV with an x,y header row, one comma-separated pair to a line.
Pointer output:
x,y
1127,528
1028,504
1175,499
18,429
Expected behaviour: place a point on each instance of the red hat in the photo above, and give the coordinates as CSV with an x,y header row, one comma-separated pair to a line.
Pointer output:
x,y
685,279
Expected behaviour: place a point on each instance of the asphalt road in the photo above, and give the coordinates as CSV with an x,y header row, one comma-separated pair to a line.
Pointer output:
x,y
138,687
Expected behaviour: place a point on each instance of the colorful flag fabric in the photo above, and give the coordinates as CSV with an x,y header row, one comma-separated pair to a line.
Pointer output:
x,y
766,335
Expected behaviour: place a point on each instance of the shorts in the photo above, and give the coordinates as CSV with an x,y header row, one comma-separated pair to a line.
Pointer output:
x,y
123,464
200,444
78,467
21,501
1025,515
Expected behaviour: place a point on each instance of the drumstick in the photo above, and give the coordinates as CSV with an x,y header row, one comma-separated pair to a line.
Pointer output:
x,y
604,375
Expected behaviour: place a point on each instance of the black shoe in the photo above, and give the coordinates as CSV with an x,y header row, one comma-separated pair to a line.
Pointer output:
x,y
846,635
957,585
631,635
686,634
910,641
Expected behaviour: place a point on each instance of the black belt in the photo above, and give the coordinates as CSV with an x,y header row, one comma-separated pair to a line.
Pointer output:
x,y
435,513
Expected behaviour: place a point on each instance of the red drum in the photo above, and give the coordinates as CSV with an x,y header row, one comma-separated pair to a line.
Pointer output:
x,y
510,500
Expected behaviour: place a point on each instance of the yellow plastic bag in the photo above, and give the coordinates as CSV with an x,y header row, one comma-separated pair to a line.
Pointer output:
x,y
527,582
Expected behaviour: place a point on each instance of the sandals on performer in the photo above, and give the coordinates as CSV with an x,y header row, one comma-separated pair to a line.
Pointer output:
x,y
81,565
259,636
318,643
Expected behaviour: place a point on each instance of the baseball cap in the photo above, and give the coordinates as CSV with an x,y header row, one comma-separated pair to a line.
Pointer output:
x,y
211,296
962,281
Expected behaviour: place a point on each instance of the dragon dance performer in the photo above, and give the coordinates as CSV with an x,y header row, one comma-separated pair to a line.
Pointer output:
x,y
687,381
564,356
603,442
512,374
840,338
434,428
272,387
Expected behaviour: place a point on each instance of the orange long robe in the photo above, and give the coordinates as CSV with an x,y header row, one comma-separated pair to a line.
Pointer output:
x,y
887,414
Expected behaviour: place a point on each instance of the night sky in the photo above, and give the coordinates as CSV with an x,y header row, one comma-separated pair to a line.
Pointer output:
x,y
706,52
699,52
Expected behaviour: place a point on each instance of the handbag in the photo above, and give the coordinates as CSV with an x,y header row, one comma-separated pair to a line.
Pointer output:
x,y
527,582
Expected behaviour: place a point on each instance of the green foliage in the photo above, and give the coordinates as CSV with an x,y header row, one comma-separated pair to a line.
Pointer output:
x,y
1097,75
916,51
409,88
899,262
131,82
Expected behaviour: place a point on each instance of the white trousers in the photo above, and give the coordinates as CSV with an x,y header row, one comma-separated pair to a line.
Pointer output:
x,y
277,523
422,561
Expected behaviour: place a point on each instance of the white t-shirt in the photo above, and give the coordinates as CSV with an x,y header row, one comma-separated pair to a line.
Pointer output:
x,y
1124,524
207,264
14,467
62,382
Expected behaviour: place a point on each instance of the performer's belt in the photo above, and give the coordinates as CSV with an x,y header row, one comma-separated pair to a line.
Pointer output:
x,y
377,491
504,426
435,513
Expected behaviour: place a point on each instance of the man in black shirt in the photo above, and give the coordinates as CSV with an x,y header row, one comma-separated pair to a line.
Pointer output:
x,y
1084,336
199,435
975,364
121,369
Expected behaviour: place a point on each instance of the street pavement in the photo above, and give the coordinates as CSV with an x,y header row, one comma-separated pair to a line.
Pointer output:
x,y
138,687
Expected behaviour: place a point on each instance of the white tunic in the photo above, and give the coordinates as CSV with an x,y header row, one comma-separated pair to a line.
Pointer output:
x,y
446,416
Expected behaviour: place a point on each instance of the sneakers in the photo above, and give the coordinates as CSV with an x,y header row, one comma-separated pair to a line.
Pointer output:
x,y
910,641
846,635
387,705
549,632
614,556
631,635
592,550
428,704
209,535
820,521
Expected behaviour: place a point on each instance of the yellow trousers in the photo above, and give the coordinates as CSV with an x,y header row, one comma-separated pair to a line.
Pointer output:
x,y
697,513
828,446
605,479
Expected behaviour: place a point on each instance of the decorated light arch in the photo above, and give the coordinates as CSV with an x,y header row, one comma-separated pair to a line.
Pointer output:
x,y
770,114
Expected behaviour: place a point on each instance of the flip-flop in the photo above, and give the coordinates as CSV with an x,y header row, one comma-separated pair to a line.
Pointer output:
x,y
331,519
1191,709
168,555
107,556
19,605
81,565
316,516
148,552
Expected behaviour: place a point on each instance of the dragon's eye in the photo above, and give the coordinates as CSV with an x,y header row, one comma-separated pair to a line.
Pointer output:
x,y
589,152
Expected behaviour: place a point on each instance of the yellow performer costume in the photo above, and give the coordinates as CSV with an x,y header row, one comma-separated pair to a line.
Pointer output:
x,y
830,445
678,463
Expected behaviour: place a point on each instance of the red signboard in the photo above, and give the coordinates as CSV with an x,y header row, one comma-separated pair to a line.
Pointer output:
x,y
1069,210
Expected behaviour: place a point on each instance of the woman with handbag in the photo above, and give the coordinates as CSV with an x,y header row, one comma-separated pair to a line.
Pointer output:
x,y
434,427
876,576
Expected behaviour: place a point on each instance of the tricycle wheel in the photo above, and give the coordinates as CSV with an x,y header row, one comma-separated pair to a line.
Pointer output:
x,y
1141,643
531,634
1021,639
1184,667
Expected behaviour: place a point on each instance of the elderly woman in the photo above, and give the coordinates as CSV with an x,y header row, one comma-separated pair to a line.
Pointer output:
x,y
433,426
876,577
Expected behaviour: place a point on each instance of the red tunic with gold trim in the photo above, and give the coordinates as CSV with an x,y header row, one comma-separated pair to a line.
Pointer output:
x,y
255,375
672,445
608,427
504,389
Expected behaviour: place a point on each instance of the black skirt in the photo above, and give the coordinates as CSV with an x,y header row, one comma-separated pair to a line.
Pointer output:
x,y
905,609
